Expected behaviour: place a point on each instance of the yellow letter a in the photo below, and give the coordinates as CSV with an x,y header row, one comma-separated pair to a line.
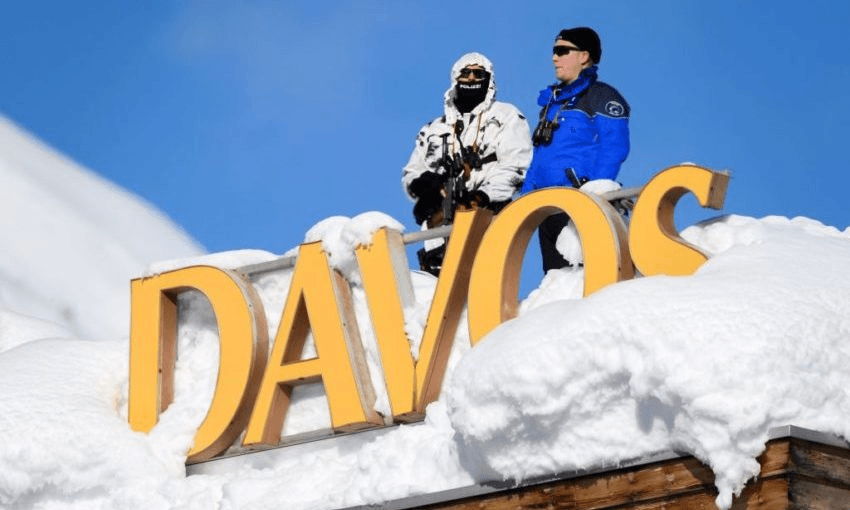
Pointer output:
x,y
318,299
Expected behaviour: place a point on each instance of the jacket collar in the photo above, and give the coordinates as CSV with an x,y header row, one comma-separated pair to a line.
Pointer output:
x,y
559,93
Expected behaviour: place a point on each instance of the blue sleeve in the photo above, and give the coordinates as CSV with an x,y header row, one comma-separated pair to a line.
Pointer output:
x,y
613,145
610,113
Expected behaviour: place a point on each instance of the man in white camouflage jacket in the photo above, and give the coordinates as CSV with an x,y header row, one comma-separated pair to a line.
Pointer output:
x,y
484,144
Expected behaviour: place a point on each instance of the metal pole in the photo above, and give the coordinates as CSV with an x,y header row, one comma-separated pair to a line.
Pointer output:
x,y
288,261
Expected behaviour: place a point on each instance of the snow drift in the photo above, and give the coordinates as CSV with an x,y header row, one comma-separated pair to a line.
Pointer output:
x,y
72,240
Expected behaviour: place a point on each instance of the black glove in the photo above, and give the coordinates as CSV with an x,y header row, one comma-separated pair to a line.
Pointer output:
x,y
429,183
476,198
479,198
426,206
427,188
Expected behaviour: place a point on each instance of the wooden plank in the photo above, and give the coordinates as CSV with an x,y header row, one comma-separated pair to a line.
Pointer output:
x,y
795,474
682,483
775,459
656,482
764,494
633,485
815,495
700,501
821,462
527,501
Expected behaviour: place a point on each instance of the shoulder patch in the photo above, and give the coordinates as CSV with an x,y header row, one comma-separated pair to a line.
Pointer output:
x,y
614,109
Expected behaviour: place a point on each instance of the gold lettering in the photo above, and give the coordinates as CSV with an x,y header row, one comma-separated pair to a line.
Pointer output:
x,y
319,299
447,305
655,243
386,280
494,287
482,264
389,289
153,332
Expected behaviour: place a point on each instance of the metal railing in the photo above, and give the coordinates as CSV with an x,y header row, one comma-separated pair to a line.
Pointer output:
x,y
621,196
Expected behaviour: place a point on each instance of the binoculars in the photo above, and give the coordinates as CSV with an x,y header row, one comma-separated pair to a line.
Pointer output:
x,y
543,132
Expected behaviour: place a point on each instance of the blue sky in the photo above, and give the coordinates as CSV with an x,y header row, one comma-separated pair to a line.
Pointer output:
x,y
248,122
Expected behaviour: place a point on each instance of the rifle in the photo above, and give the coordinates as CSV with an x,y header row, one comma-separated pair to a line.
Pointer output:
x,y
458,168
454,192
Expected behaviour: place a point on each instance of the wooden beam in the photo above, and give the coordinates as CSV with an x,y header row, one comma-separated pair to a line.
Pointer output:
x,y
795,473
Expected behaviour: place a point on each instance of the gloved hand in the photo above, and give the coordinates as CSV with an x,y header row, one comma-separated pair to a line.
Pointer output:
x,y
427,184
479,199
427,188
476,198
426,206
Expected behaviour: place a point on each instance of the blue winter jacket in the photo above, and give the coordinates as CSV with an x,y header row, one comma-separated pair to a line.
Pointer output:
x,y
592,136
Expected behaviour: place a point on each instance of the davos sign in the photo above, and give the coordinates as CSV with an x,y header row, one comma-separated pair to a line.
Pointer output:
x,y
481,270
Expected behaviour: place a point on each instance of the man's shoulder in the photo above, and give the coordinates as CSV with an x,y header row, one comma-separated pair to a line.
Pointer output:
x,y
504,109
437,123
600,87
606,100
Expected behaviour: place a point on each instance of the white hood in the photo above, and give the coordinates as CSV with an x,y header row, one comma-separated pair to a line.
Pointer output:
x,y
466,60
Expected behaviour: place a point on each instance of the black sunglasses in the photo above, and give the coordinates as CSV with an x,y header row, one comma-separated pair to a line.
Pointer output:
x,y
564,50
473,73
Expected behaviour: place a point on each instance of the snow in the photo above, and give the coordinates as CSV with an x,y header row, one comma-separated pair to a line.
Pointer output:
x,y
568,243
340,234
72,240
706,364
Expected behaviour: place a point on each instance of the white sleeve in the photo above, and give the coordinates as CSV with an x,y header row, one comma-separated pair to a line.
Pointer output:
x,y
513,155
418,163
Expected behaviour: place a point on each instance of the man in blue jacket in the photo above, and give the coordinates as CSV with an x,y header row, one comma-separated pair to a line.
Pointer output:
x,y
583,131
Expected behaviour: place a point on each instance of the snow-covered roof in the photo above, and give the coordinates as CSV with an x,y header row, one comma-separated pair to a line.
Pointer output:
x,y
706,364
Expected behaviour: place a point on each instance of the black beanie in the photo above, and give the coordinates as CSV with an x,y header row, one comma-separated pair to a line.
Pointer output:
x,y
586,39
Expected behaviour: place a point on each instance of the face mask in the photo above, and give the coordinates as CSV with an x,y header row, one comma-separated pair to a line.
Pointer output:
x,y
469,94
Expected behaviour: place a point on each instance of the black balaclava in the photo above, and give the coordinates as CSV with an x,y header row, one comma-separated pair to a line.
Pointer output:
x,y
468,95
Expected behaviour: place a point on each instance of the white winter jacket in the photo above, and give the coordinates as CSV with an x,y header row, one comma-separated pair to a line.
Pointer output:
x,y
499,129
